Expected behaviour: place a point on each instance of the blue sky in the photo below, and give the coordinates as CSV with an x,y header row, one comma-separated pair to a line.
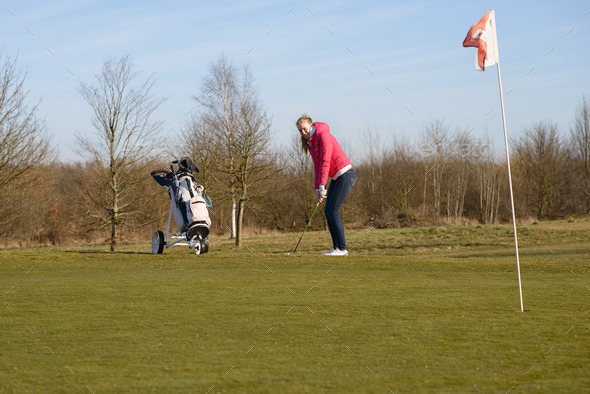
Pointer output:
x,y
383,65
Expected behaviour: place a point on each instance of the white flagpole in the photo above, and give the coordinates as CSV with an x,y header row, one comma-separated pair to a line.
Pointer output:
x,y
510,183
492,57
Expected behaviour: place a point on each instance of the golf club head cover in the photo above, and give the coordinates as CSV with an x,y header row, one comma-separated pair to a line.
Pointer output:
x,y
187,164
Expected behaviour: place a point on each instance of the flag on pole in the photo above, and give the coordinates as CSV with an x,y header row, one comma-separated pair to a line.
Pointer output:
x,y
482,35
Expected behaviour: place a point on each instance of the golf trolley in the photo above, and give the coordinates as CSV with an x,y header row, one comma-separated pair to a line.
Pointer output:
x,y
190,206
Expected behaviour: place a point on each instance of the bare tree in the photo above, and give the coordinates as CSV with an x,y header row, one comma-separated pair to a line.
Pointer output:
x,y
580,146
24,141
220,110
120,146
461,153
234,130
403,173
255,162
486,170
436,153
539,160
389,172
375,155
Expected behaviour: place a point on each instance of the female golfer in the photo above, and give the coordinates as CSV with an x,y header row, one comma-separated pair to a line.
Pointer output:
x,y
328,161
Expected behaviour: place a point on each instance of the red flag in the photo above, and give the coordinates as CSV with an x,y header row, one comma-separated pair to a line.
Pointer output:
x,y
482,35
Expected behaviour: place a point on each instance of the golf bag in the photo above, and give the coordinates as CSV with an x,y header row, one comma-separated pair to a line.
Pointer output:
x,y
189,203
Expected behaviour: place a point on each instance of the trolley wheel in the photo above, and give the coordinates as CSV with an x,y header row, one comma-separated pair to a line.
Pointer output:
x,y
158,242
198,247
204,245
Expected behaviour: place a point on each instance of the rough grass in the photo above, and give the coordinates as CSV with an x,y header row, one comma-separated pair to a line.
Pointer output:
x,y
410,310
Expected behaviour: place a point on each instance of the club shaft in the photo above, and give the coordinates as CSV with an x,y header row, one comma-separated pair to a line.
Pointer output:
x,y
311,217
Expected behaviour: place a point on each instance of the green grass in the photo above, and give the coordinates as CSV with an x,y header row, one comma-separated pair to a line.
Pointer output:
x,y
410,310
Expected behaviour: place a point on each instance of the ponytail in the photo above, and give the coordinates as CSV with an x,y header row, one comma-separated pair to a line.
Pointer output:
x,y
304,145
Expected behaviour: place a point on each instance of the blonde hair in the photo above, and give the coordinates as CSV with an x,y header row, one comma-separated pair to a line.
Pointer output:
x,y
304,118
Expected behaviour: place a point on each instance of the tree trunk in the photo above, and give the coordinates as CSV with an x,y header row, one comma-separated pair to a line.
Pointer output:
x,y
114,214
114,222
239,227
495,216
436,187
232,225
114,235
424,190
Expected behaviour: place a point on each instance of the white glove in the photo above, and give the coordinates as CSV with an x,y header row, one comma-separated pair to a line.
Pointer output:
x,y
321,192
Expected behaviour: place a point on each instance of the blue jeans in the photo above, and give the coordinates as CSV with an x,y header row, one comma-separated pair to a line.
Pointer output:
x,y
337,192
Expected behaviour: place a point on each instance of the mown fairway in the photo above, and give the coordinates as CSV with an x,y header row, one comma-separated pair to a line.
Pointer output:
x,y
410,310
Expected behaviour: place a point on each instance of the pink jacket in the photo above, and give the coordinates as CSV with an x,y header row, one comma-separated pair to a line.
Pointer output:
x,y
326,153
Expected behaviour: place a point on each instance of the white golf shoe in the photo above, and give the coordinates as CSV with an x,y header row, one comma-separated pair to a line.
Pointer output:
x,y
336,252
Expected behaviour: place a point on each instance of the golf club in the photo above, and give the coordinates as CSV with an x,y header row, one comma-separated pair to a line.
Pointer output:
x,y
311,217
